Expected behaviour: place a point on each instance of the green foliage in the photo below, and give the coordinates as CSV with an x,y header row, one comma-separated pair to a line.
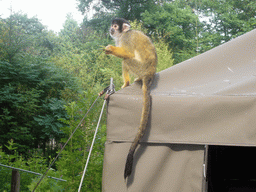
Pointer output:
x,y
48,81
87,61
174,24
230,18
31,87
30,94
18,34
164,56
69,28
47,185
128,9
100,22
73,158
193,27
35,163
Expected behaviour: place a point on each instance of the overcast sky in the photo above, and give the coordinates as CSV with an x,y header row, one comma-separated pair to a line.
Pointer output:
x,y
52,13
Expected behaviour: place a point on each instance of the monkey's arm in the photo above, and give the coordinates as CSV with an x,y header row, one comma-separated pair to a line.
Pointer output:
x,y
118,52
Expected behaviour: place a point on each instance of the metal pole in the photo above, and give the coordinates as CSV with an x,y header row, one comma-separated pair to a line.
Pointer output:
x,y
15,186
111,87
88,158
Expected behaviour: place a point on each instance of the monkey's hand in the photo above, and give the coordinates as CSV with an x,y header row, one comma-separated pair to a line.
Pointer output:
x,y
118,52
109,49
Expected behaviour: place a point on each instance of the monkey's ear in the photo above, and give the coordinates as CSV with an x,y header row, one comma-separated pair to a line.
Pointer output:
x,y
126,27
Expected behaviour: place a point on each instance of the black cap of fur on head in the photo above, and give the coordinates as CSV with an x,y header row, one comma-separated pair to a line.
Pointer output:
x,y
120,22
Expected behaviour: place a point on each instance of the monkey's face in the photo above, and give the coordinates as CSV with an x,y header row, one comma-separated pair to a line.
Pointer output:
x,y
118,27
115,30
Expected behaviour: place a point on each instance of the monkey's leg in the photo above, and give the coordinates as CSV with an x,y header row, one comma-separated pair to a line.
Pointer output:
x,y
126,77
118,52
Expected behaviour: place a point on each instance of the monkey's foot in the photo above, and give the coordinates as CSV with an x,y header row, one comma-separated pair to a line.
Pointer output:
x,y
137,79
126,84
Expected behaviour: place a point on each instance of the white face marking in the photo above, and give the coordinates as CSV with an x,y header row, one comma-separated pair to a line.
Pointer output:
x,y
114,32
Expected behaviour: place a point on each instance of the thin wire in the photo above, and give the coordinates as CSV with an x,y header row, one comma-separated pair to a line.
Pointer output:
x,y
65,144
30,172
88,158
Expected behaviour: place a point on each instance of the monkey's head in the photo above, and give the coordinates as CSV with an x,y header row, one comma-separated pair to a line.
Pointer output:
x,y
119,26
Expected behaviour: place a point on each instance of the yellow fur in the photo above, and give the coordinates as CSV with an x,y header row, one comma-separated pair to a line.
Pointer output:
x,y
140,58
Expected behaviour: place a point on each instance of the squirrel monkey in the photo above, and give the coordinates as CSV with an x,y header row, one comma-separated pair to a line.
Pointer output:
x,y
139,58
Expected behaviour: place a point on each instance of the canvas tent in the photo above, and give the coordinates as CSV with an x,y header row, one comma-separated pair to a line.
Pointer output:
x,y
198,107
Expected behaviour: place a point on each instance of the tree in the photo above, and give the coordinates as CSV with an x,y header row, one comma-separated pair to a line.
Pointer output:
x,y
177,26
31,100
100,23
70,27
229,18
17,34
30,86
128,9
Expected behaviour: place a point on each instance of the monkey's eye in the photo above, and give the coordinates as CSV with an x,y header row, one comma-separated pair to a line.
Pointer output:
x,y
115,26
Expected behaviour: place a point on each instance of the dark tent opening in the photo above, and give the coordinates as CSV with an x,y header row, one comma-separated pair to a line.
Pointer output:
x,y
231,169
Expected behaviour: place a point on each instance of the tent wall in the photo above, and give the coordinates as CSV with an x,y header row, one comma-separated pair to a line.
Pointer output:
x,y
157,167
213,120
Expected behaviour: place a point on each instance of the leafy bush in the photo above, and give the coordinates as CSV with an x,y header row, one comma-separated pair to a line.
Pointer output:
x,y
31,100
36,163
72,160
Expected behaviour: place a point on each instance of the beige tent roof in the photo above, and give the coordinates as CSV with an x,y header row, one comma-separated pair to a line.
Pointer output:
x,y
207,100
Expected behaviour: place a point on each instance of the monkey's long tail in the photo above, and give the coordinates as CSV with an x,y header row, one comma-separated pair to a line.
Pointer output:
x,y
143,123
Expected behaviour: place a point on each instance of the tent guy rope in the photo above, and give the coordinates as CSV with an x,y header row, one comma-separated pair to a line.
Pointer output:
x,y
110,90
32,172
89,155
